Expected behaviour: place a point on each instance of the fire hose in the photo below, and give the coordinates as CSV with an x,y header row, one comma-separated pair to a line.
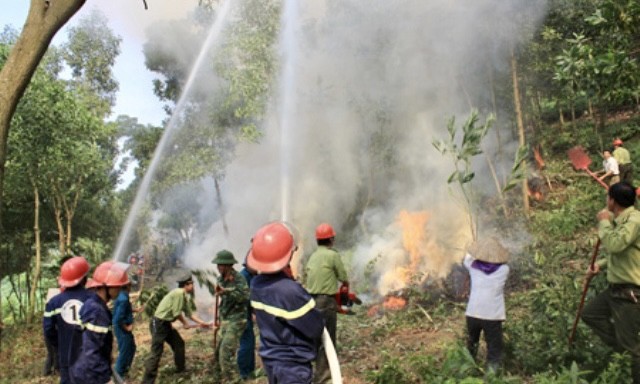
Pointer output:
x,y
585,288
332,358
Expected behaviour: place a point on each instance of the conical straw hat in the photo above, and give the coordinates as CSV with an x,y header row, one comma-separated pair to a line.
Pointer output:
x,y
489,250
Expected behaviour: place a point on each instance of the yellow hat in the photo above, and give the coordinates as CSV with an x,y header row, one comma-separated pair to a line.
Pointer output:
x,y
489,250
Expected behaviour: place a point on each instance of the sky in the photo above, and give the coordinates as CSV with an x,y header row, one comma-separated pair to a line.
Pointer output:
x,y
128,19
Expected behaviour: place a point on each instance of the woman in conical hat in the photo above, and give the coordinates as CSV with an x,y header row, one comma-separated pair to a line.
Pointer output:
x,y
486,262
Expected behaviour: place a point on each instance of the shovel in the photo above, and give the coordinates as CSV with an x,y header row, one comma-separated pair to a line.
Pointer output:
x,y
585,288
581,161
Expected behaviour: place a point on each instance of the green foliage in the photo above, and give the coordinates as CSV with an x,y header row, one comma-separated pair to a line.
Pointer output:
x,y
91,52
150,298
461,154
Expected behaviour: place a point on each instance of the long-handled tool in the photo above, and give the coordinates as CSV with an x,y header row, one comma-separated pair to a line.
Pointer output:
x,y
216,325
581,161
585,287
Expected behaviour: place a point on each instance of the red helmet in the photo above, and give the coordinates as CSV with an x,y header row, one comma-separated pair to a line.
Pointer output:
x,y
109,274
324,231
73,271
617,142
271,249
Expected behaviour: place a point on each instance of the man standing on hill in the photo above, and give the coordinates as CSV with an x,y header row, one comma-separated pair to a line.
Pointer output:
x,y
234,292
323,272
614,315
611,171
61,323
623,158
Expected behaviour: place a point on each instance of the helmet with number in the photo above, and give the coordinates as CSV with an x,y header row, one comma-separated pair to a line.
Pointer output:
x,y
109,274
324,231
73,271
617,142
272,248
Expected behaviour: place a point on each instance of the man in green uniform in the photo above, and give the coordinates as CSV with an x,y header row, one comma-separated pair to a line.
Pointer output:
x,y
234,292
614,315
623,158
323,272
174,306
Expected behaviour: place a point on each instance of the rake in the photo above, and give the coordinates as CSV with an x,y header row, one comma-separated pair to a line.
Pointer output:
x,y
581,161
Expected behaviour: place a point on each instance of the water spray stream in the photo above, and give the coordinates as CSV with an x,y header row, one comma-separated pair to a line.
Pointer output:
x,y
287,111
171,128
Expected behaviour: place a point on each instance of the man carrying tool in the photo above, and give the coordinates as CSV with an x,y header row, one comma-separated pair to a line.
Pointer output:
x,y
290,326
614,315
323,272
61,322
234,292
611,171
623,158
170,309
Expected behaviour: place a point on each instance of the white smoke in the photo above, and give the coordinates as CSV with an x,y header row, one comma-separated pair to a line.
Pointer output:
x,y
375,83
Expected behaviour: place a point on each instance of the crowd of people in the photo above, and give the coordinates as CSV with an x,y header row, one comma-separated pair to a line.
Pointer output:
x,y
79,327
297,319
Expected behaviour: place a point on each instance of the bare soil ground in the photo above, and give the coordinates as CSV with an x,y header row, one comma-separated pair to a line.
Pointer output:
x,y
363,343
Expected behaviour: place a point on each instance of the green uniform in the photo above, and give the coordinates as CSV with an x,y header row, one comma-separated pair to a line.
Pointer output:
x,y
323,273
614,314
233,320
625,166
171,306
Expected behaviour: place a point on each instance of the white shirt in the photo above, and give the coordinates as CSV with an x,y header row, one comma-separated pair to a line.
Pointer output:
x,y
486,300
611,165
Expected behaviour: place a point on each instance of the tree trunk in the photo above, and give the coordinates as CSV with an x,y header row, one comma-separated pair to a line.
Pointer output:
x,y
221,207
36,269
60,225
520,123
45,18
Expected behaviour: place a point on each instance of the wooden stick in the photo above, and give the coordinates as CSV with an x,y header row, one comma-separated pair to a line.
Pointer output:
x,y
587,280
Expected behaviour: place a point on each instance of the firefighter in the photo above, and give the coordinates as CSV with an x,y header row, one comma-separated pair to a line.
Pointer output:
x,y
61,322
174,306
234,293
94,362
123,330
247,349
614,313
290,326
323,272
611,169
624,161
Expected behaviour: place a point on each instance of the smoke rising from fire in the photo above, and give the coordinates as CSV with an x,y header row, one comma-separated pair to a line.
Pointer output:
x,y
375,82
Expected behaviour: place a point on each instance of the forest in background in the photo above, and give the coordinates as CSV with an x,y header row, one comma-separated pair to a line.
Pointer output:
x,y
574,82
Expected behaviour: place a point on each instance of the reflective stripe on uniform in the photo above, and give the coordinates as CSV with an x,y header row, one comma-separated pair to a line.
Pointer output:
x,y
56,311
96,328
279,312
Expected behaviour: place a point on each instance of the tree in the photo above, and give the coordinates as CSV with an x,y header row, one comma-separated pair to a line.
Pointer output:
x,y
90,52
44,20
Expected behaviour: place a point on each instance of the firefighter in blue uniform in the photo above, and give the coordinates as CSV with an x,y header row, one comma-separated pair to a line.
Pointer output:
x,y
61,322
290,326
123,330
94,363
246,352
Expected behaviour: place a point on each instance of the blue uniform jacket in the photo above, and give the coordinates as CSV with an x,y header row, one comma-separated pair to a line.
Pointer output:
x,y
61,323
122,313
290,326
94,363
248,276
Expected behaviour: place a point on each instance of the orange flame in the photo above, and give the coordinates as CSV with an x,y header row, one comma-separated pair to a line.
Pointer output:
x,y
394,303
413,239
